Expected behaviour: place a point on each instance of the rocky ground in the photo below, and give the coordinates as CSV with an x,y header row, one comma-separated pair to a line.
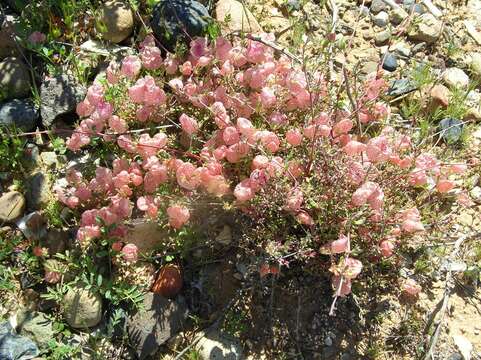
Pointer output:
x,y
218,307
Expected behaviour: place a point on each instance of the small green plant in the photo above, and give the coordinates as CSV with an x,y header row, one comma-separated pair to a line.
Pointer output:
x,y
11,151
59,351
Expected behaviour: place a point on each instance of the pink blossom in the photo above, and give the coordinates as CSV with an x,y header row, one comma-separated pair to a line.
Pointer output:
x,y
37,37
411,220
117,246
52,277
443,186
268,97
84,108
151,57
171,64
260,162
230,135
117,124
278,118
95,94
178,216
245,127
351,267
131,66
369,192
189,124
149,146
130,252
269,140
243,191
294,200
340,245
188,176
304,218
342,127
411,287
113,72
341,289
354,148
186,68
294,137
386,247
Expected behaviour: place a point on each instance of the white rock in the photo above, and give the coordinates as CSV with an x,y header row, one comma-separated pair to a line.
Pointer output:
x,y
381,19
427,29
455,78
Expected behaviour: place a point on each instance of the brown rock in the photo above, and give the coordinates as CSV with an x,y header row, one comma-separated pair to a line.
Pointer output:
x,y
116,21
440,95
236,17
169,281
12,205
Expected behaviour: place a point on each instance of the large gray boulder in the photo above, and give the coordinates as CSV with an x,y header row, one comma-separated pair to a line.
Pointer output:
x,y
157,322
58,96
19,113
14,79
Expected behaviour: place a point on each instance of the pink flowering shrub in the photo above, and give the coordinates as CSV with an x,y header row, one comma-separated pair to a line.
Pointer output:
x,y
232,120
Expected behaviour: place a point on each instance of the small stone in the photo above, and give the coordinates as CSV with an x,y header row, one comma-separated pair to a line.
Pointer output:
x,y
116,21
238,15
440,95
147,236
390,62
328,341
169,282
225,236
381,19
82,308
176,21
451,129
33,226
401,87
20,113
382,37
364,11
377,6
398,14
154,324
476,65
12,205
37,191
37,326
369,67
402,49
13,346
214,346
428,29
14,79
475,194
56,241
455,78
48,158
59,96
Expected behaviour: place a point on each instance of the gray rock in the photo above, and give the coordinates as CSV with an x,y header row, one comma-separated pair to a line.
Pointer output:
x,y
428,29
56,241
369,67
398,15
455,78
12,205
19,113
59,96
476,65
381,19
33,226
451,130
82,308
402,49
390,62
37,326
157,322
215,346
377,6
176,21
225,236
382,37
475,194
14,79
7,36
15,347
116,21
401,87
37,191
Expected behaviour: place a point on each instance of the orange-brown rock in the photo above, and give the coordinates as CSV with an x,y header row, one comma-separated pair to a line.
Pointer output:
x,y
169,281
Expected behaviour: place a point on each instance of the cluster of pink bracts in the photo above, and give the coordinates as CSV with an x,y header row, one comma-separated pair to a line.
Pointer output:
x,y
254,109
